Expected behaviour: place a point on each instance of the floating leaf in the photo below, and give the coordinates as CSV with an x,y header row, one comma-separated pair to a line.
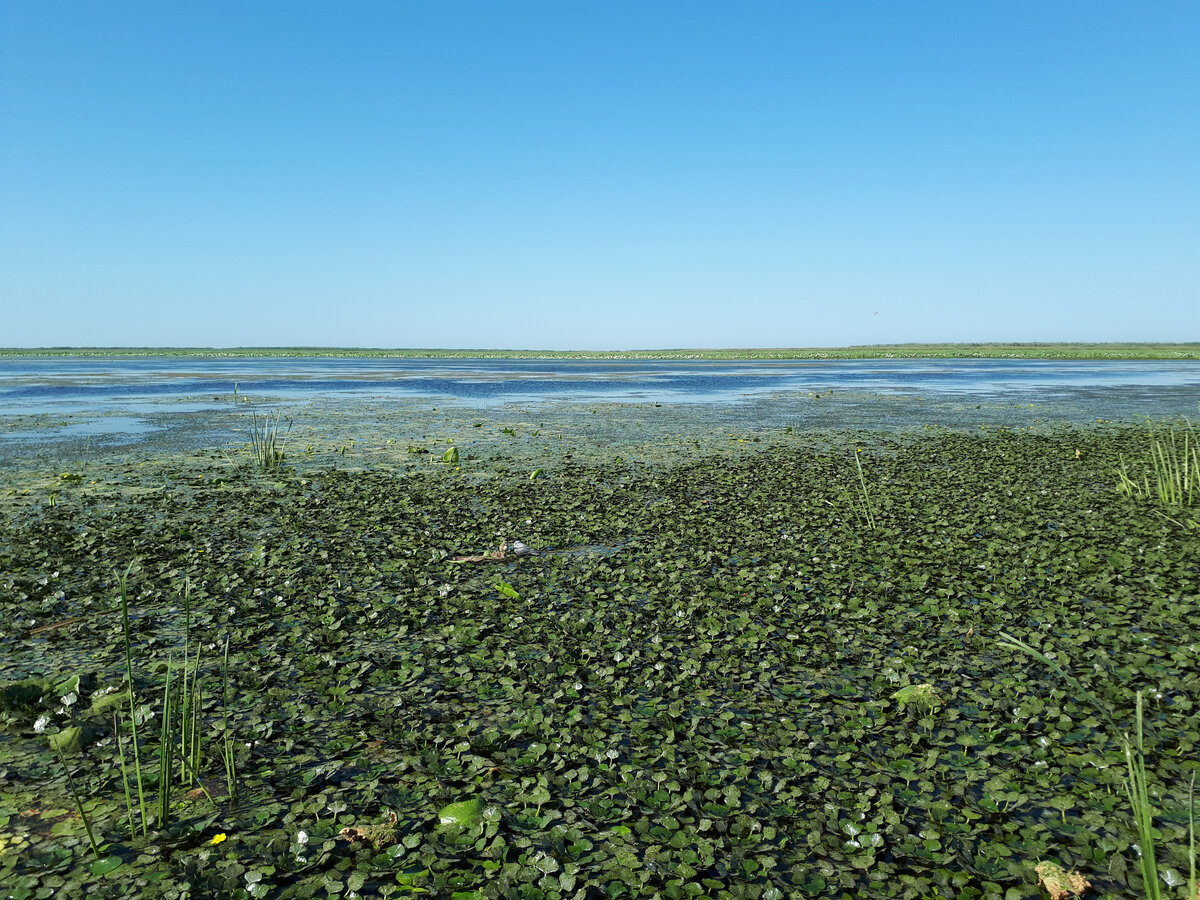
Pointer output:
x,y
919,696
463,813
66,741
106,865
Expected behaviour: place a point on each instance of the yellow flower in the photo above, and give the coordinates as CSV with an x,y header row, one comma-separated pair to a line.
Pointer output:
x,y
217,838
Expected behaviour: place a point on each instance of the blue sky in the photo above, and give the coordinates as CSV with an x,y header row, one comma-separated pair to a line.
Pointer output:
x,y
590,175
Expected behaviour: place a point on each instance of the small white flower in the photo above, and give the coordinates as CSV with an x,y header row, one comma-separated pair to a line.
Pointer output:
x,y
578,685
619,656
39,726
301,837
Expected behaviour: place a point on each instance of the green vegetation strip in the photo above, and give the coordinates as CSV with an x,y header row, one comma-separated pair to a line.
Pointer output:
x,y
864,351
767,675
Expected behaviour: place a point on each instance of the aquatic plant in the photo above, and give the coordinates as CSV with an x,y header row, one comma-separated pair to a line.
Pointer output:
x,y
266,441
1135,780
695,687
1174,476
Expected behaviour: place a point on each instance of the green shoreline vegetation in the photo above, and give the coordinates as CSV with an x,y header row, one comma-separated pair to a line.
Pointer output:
x,y
775,671
1189,350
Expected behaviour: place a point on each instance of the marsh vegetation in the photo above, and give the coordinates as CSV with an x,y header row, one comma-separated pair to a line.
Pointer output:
x,y
770,673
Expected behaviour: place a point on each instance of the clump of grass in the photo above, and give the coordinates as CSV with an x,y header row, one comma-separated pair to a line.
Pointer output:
x,y
266,441
1135,781
228,752
1174,480
179,736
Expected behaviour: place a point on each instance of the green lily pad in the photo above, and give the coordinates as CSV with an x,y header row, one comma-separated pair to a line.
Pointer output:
x,y
464,813
106,865
106,704
67,741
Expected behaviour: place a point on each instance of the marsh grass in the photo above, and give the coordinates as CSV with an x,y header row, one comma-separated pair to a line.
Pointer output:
x,y
123,586
1174,477
180,728
861,504
266,441
1134,781
228,754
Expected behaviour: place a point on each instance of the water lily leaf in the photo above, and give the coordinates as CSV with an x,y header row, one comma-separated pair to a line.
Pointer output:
x,y
918,696
107,703
106,865
507,590
66,685
463,813
66,741
451,455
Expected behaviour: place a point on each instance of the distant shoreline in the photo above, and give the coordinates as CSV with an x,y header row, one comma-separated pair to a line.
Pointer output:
x,y
1115,351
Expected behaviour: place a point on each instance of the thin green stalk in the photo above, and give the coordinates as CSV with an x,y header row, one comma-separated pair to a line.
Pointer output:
x,y
1192,892
227,752
192,705
165,753
123,582
124,774
866,498
1143,813
79,806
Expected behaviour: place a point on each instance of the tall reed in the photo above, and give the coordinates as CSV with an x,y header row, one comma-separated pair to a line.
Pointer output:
x,y
180,723
228,750
123,584
1175,467
266,441
865,499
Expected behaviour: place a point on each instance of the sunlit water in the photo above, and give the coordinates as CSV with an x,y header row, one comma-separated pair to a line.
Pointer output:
x,y
37,385
187,400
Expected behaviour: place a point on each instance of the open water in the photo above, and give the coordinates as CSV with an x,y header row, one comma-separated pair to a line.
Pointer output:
x,y
181,403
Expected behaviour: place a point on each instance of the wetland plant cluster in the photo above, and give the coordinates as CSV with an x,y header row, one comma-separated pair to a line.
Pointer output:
x,y
769,675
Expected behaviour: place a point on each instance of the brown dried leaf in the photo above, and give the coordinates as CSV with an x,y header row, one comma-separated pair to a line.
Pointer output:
x,y
1058,882
374,836
483,557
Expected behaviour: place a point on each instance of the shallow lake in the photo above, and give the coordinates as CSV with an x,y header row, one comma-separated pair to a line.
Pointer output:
x,y
182,403
37,385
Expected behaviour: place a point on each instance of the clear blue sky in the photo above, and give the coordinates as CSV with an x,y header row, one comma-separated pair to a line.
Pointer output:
x,y
568,174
